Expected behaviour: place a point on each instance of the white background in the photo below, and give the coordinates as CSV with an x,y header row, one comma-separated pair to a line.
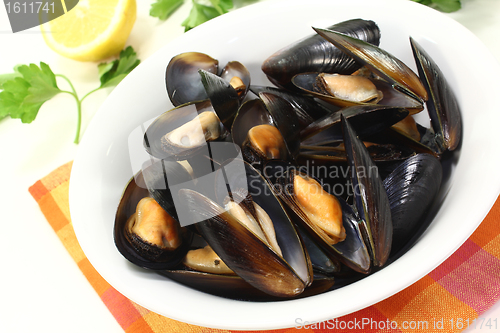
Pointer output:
x,y
41,287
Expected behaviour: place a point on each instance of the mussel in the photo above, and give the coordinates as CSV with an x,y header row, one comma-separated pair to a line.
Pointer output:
x,y
182,79
324,218
147,232
184,85
442,105
238,77
412,188
344,90
378,61
183,131
315,54
266,129
283,270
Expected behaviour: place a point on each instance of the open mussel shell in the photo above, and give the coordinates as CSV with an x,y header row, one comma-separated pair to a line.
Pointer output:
x,y
193,136
183,131
251,113
391,96
365,119
261,135
238,76
314,54
266,129
370,197
285,119
245,253
351,251
411,189
442,104
182,79
378,61
134,249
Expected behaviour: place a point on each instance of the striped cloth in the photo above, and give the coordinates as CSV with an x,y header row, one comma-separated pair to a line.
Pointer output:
x,y
450,298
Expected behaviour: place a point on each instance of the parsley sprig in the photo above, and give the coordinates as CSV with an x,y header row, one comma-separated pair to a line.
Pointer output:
x,y
199,13
30,86
447,6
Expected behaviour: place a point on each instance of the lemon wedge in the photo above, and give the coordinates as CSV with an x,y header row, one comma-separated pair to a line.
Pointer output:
x,y
93,30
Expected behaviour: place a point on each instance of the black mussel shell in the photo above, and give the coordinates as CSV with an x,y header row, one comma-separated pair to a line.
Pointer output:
x,y
222,95
265,144
412,188
235,69
269,109
251,113
160,176
442,105
352,251
370,197
142,254
391,96
182,79
314,54
307,108
234,287
171,120
285,119
378,153
378,61
320,261
365,119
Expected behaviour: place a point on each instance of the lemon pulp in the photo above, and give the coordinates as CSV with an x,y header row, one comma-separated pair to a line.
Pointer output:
x,y
93,30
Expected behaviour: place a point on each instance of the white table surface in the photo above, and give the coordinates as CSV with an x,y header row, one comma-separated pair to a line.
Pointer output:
x,y
41,287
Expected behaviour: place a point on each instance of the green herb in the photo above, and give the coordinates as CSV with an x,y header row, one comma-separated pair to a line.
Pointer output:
x,y
164,8
199,13
7,77
446,6
114,72
30,86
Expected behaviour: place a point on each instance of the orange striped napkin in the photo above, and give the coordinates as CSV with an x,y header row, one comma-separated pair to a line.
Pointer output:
x,y
449,299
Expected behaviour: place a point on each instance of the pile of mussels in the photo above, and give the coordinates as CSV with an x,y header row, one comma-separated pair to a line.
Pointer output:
x,y
242,197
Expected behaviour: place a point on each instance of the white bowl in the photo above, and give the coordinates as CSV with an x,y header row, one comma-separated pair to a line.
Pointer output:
x,y
103,165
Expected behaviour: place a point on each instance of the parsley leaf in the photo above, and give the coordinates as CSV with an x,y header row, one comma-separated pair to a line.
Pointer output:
x,y
446,6
164,8
222,6
42,81
7,77
23,95
114,72
199,14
